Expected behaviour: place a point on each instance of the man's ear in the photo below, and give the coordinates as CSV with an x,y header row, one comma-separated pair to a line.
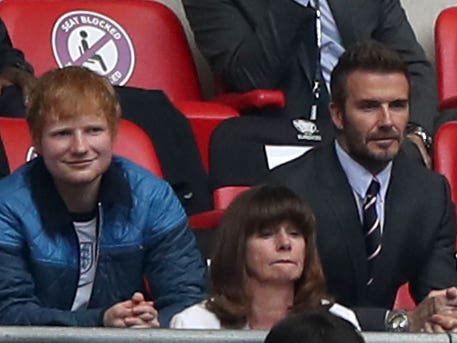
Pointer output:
x,y
337,115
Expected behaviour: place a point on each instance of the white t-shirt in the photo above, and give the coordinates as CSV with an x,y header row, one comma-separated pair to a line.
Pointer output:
x,y
195,317
198,317
87,238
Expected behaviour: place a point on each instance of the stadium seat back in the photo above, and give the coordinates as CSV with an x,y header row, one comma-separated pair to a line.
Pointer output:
x,y
445,155
138,43
446,57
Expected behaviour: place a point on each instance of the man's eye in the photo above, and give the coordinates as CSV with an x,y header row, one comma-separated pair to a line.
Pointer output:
x,y
399,105
367,106
95,130
61,133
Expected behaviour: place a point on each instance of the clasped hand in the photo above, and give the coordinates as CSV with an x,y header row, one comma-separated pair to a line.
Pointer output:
x,y
436,313
133,313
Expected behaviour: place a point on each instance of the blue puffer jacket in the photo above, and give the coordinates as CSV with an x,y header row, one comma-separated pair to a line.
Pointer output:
x,y
144,235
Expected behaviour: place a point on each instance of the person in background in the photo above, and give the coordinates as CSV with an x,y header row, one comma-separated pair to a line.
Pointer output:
x,y
252,44
265,265
383,220
16,77
314,327
83,231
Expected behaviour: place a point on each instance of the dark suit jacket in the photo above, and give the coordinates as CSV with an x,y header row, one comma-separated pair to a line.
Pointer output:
x,y
10,56
418,234
262,44
11,98
267,44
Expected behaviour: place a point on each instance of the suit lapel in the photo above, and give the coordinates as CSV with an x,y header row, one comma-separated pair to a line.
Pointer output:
x,y
342,204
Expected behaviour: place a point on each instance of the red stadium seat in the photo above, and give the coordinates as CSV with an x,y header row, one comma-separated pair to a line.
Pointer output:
x,y
138,43
16,139
223,196
446,57
204,117
118,39
256,98
133,143
404,301
445,155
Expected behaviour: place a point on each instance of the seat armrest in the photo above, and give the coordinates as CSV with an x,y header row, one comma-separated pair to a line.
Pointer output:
x,y
256,98
207,220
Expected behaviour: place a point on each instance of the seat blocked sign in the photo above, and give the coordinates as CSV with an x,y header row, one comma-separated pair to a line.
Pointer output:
x,y
95,41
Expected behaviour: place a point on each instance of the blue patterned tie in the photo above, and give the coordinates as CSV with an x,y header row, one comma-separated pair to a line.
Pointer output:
x,y
371,227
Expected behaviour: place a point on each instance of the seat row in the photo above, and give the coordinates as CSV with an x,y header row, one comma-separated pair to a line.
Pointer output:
x,y
135,144
137,43
141,43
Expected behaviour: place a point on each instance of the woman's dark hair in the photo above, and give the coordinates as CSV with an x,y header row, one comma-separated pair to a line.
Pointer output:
x,y
253,210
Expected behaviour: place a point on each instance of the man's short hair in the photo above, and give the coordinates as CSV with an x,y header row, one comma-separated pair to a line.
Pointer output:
x,y
370,56
68,93
314,326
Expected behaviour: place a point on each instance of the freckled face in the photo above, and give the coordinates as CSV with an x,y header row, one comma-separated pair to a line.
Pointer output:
x,y
76,151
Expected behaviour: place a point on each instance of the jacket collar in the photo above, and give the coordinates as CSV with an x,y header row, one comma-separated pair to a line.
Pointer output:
x,y
55,217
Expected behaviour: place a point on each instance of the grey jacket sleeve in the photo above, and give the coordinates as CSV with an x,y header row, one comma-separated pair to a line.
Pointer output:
x,y
250,52
10,56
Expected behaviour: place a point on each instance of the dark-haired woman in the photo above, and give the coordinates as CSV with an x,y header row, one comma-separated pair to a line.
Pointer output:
x,y
265,265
